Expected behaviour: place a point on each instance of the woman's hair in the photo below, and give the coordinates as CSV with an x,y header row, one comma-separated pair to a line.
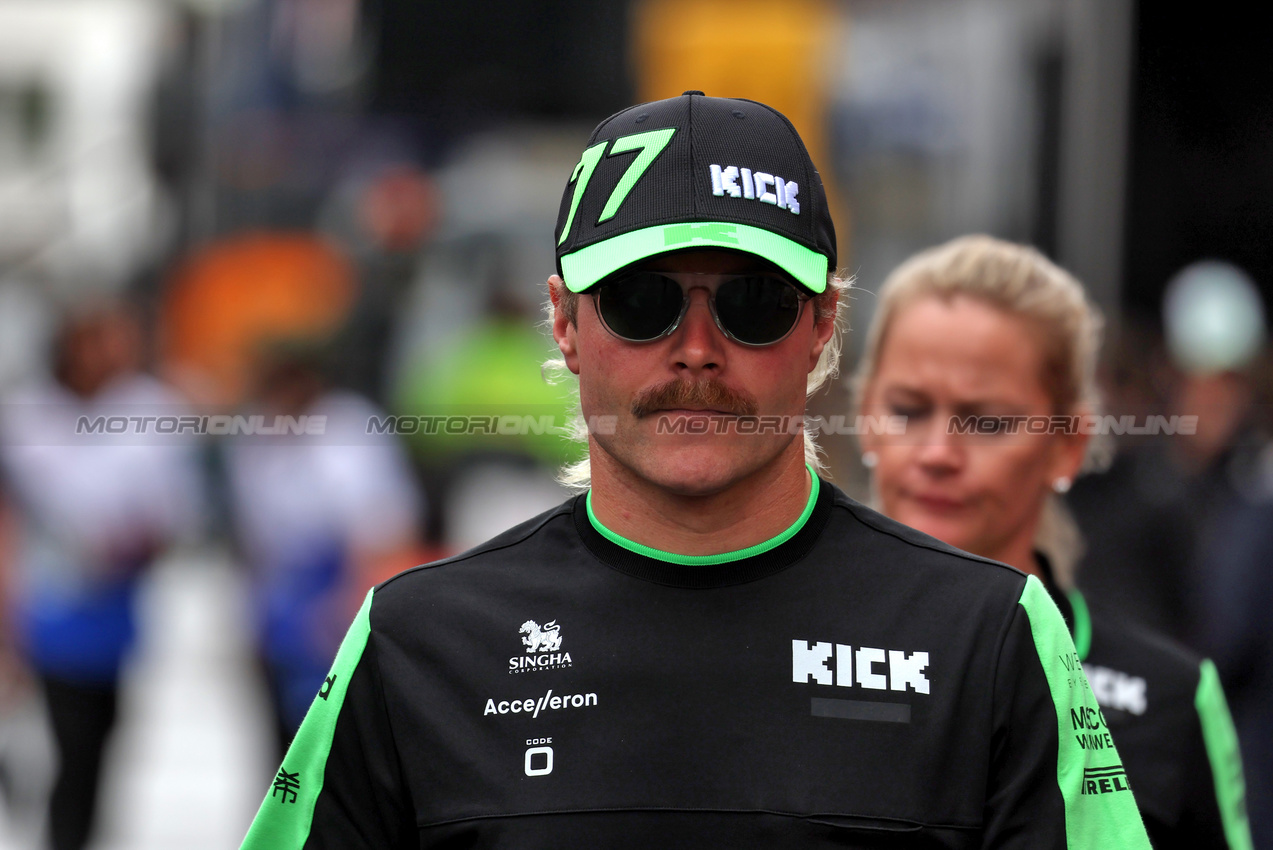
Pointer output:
x,y
829,305
1023,283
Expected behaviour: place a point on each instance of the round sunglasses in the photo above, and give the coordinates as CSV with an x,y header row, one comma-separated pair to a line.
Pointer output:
x,y
757,308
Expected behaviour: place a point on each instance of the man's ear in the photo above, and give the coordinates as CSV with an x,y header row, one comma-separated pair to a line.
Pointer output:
x,y
565,332
822,328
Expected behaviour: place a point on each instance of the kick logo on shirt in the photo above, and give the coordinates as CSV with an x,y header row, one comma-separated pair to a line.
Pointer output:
x,y
864,667
1117,690
543,648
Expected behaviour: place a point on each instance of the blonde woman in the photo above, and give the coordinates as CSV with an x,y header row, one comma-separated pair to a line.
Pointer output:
x,y
988,350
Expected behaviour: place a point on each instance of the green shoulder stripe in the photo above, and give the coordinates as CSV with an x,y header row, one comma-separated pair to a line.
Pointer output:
x,y
1099,808
1082,623
1226,760
283,821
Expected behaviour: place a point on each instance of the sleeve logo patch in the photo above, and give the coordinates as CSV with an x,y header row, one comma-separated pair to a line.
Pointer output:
x,y
288,784
1104,780
1090,731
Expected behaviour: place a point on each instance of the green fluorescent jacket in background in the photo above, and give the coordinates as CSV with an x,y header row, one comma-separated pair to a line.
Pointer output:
x,y
849,683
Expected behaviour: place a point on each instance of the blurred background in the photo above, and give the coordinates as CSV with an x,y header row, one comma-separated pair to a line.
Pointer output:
x,y
330,213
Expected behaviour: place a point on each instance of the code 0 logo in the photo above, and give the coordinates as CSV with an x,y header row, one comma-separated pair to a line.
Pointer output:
x,y
539,757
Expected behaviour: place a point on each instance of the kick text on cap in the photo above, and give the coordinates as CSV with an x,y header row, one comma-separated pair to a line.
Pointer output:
x,y
755,186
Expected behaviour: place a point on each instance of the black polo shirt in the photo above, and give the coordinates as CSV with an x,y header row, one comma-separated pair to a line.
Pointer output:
x,y
849,683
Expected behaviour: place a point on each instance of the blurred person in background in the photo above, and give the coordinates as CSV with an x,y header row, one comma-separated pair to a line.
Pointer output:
x,y
490,479
1179,527
90,514
986,332
1213,319
1215,326
1152,517
26,755
319,515
1238,634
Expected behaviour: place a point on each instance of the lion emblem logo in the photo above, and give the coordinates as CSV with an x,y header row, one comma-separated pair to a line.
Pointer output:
x,y
537,639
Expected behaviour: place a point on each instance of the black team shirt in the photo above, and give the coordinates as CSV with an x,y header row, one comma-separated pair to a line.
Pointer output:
x,y
849,683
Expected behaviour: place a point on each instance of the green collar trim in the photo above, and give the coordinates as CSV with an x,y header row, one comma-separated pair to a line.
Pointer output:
x,y
1082,623
711,560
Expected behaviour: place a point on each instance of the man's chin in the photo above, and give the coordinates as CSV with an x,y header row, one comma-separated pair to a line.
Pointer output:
x,y
689,464
695,470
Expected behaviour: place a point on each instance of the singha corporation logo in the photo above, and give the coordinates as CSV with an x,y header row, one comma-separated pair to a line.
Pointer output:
x,y
543,648
536,639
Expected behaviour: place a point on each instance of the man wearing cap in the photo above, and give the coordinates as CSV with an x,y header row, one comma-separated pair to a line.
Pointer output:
x,y
711,647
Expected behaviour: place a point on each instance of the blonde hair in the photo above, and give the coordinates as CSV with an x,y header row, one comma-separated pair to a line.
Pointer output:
x,y
1021,282
829,305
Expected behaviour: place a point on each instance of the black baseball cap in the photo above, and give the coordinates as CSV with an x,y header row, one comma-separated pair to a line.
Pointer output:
x,y
694,172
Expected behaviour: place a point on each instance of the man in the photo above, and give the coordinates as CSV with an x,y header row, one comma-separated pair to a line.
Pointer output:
x,y
712,647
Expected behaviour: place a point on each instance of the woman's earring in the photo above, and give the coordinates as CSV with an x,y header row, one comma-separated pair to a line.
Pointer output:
x,y
869,459
1061,485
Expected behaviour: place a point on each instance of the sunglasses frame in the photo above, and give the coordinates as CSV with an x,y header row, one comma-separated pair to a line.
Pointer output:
x,y
802,297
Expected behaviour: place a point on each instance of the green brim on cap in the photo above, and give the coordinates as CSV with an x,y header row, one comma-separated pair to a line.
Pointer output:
x,y
585,267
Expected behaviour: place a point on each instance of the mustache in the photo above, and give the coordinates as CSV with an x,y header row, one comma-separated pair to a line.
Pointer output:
x,y
703,394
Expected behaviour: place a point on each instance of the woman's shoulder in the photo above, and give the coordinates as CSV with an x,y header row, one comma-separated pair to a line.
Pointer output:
x,y
919,549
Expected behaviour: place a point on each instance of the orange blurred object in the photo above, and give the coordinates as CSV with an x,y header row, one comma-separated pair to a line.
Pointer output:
x,y
777,52
236,295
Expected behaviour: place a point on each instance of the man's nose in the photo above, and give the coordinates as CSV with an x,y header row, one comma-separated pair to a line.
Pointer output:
x,y
698,343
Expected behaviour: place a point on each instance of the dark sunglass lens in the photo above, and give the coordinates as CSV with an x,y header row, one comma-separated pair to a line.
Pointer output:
x,y
757,309
640,306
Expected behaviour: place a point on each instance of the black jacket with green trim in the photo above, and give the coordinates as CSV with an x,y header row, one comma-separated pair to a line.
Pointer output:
x,y
857,685
1167,714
